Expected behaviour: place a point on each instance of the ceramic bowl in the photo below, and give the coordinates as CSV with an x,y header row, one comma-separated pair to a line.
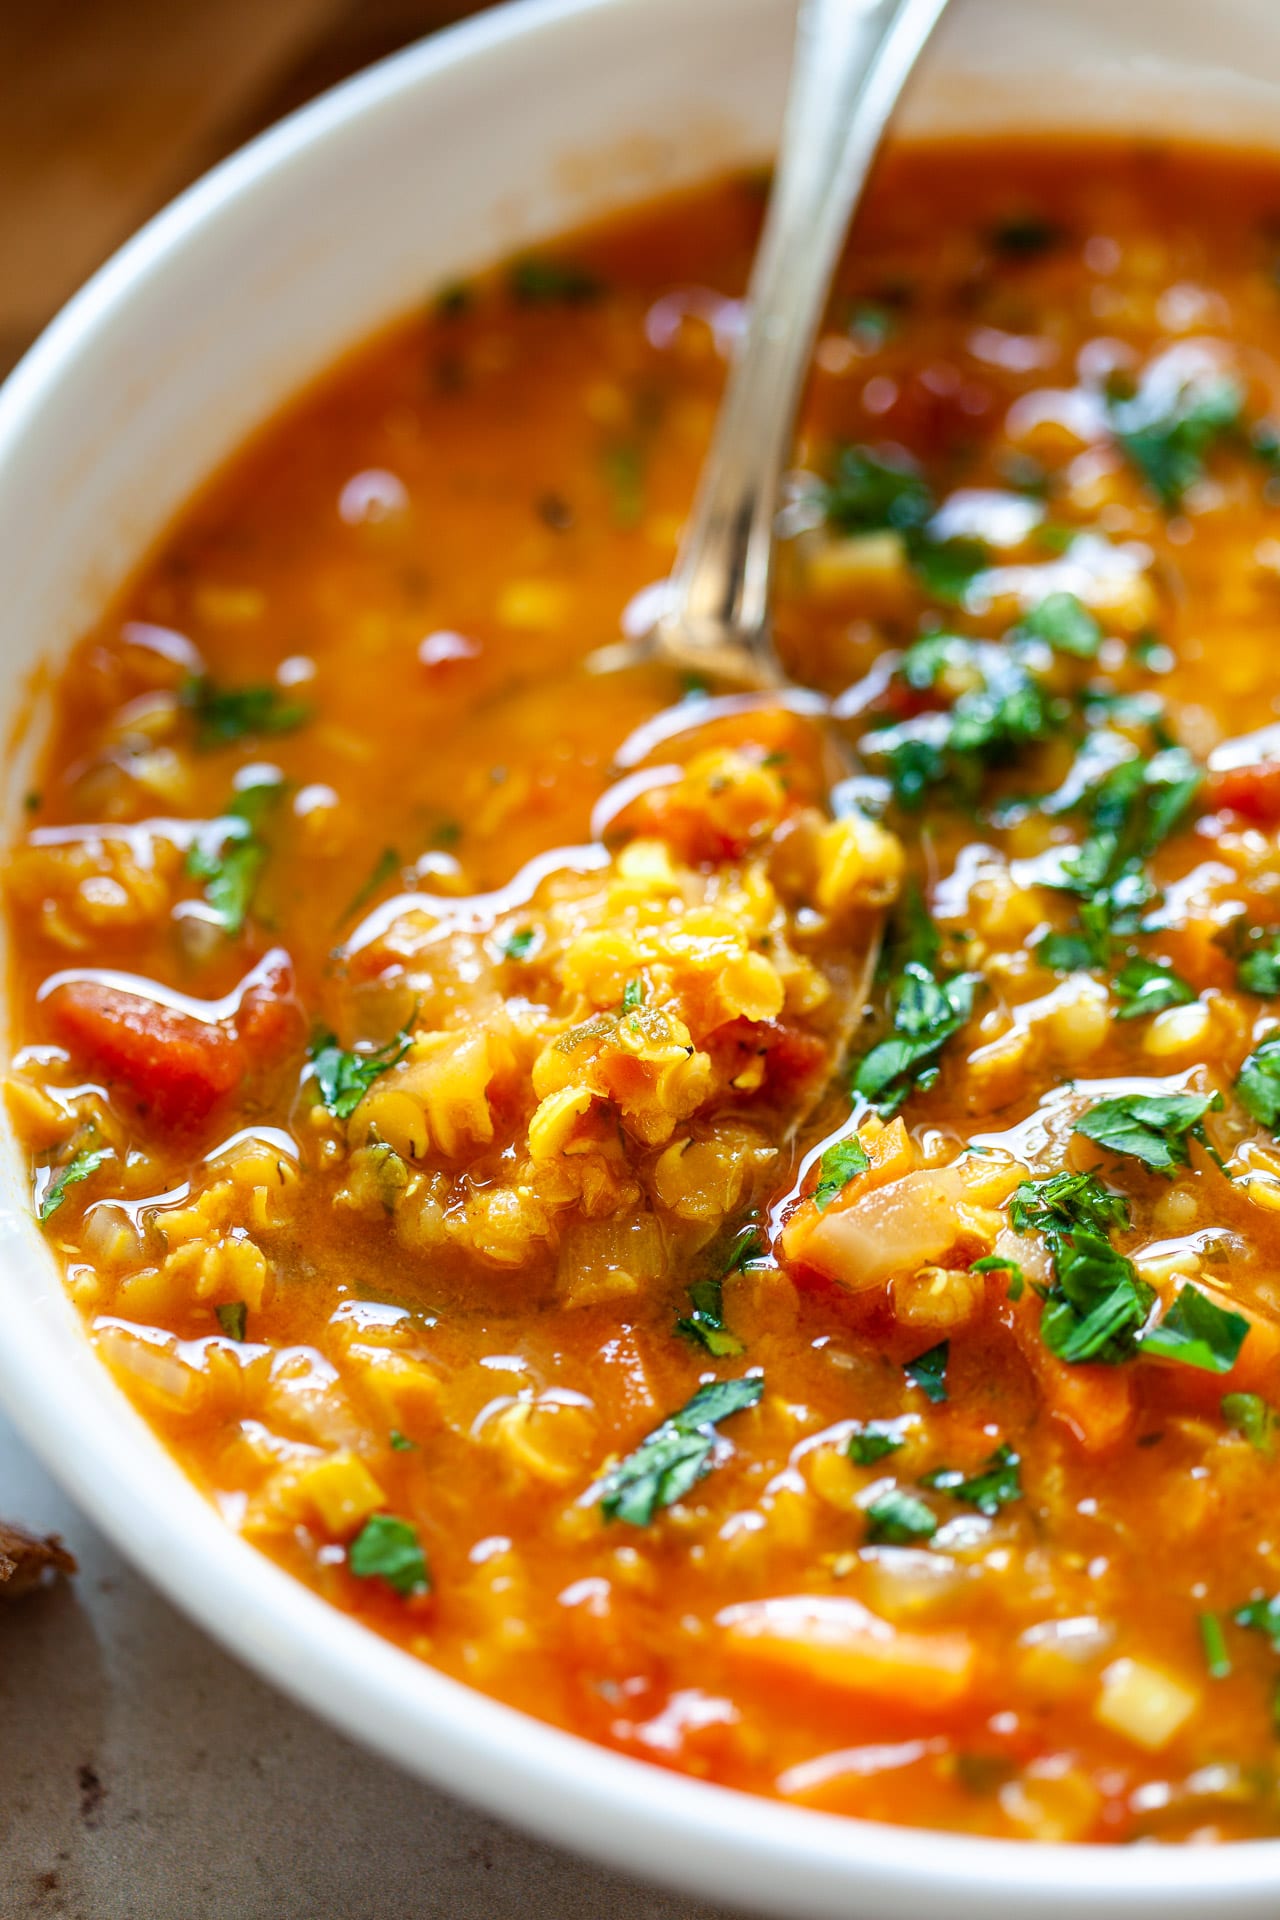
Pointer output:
x,y
500,133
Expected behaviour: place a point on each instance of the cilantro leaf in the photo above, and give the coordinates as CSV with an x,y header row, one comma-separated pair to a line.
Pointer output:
x,y
675,1456
1197,1332
519,945
224,715
1258,970
1168,431
868,493
79,1167
1147,986
705,1320
896,1516
386,864
836,1169
926,1013
995,1486
1250,1415
947,568
387,1548
1097,1304
400,1442
633,994
233,1318
1152,1128
1258,1082
1065,1203
344,1078
873,1440
928,1371
1064,623
229,855
993,1263
541,280
1213,1640
1262,1616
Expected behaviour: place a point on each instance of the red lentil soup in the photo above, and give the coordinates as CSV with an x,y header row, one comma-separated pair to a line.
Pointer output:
x,y
776,1275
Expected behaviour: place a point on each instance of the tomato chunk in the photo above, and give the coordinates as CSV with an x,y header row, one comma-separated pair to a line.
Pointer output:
x,y
1252,791
177,1064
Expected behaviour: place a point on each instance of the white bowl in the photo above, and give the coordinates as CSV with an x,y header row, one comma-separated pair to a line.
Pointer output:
x,y
499,133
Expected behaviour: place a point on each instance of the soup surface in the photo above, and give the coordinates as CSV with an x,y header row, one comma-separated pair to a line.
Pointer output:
x,y
777,1274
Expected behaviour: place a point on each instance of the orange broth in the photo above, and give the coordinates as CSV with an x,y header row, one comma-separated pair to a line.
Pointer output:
x,y
443,1055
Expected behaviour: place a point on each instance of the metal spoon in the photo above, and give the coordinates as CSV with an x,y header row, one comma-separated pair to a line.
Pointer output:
x,y
851,62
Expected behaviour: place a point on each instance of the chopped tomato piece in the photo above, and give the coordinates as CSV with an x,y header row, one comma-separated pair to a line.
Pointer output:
x,y
1252,791
175,1065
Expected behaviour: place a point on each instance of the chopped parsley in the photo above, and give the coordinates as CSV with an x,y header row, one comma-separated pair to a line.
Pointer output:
x,y
229,854
704,1321
541,280
1258,1082
1148,986
520,944
400,1442
1066,1203
837,1167
1214,1643
877,493
80,1166
1251,1416
385,866
1258,969
993,1263
387,1548
1197,1332
676,1455
873,1440
993,1487
928,1371
344,1078
1064,623
1152,1128
1168,432
927,1008
896,1516
1261,1616
1001,709
225,715
233,1318
1097,1305
633,994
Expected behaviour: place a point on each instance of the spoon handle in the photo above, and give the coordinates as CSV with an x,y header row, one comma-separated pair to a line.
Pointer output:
x,y
852,60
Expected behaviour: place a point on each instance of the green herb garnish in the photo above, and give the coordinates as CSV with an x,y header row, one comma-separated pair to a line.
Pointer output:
x,y
1197,1333
1258,970
520,944
873,1440
387,1548
994,1487
1261,1616
676,1455
896,1516
993,1263
344,1077
1148,986
1097,1305
79,1167
927,1008
233,1318
540,280
400,1442
928,1371
1258,1082
229,855
224,715
837,1167
1168,433
1064,623
1214,1642
386,865
1152,1128
1251,1416
1066,1203
633,994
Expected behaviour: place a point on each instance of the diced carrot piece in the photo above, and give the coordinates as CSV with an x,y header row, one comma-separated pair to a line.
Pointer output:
x,y
891,1154
1095,1402
838,1645
1253,791
176,1066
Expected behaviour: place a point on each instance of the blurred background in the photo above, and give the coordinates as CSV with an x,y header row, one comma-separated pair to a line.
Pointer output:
x,y
110,107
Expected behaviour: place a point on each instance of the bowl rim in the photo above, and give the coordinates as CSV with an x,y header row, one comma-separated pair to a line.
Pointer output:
x,y
627,1812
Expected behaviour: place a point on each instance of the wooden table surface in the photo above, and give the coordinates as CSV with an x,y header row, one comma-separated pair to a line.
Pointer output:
x,y
109,107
